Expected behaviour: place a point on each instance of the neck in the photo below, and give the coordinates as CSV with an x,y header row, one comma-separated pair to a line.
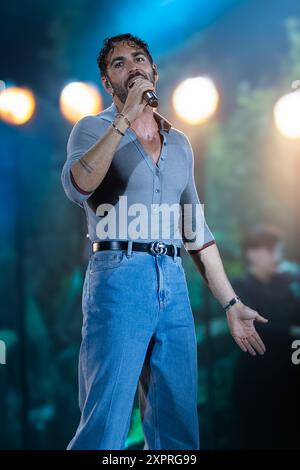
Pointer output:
x,y
145,125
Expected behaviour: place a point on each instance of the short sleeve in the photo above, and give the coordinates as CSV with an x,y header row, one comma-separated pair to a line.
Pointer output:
x,y
196,234
82,137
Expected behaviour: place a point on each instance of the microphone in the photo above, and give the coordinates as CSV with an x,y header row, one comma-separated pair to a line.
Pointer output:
x,y
149,96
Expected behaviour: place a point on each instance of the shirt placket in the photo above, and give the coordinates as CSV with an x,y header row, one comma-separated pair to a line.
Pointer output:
x,y
158,171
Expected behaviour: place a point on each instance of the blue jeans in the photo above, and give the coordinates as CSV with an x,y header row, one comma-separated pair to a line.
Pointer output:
x,y
138,330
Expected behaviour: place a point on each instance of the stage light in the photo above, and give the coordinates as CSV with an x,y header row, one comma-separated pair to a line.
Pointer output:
x,y
287,115
195,99
79,99
17,105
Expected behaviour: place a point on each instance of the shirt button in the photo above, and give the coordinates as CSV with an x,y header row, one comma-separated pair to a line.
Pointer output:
x,y
162,158
157,190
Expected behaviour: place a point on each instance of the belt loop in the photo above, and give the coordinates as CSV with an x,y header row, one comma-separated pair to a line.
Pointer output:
x,y
174,251
129,248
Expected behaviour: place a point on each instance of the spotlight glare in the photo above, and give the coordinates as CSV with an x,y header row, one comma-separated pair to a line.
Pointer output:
x,y
17,105
287,115
79,99
195,99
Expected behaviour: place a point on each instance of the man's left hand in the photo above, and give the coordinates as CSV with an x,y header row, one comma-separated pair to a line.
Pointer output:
x,y
241,324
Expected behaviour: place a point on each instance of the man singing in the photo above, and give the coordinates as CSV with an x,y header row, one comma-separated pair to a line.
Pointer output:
x,y
138,328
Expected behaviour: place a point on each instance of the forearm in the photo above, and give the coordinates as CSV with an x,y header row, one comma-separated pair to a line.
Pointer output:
x,y
210,266
90,170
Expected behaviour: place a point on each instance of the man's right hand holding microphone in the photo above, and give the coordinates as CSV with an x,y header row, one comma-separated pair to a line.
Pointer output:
x,y
134,104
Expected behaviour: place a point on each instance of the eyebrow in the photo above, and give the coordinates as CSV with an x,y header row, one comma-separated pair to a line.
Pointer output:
x,y
134,54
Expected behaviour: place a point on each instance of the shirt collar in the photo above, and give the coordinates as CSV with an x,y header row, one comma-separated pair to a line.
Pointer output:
x,y
109,113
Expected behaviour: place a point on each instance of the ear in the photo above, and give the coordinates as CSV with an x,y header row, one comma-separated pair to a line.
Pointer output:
x,y
154,67
106,84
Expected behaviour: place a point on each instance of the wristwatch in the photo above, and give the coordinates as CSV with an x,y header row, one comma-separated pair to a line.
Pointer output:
x,y
232,302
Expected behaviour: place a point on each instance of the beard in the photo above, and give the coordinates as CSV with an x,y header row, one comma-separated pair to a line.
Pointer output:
x,y
121,90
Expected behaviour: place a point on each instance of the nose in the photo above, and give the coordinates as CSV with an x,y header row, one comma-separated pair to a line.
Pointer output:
x,y
132,69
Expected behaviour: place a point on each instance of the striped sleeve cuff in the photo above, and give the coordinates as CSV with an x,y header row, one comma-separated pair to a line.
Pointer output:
x,y
77,187
193,252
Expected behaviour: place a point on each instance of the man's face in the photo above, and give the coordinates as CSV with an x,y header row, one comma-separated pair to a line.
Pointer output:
x,y
265,260
125,62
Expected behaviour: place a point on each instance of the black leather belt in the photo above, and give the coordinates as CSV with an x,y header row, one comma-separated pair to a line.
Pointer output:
x,y
155,248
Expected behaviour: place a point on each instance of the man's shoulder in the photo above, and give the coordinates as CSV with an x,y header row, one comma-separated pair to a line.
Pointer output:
x,y
178,136
92,124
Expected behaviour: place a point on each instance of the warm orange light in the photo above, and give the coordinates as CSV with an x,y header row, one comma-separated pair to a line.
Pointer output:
x,y
17,105
80,99
196,99
287,115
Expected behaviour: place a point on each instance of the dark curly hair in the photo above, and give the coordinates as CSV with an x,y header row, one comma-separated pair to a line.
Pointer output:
x,y
108,45
263,236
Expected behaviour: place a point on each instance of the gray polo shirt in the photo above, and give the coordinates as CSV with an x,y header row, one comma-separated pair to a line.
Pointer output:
x,y
147,192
